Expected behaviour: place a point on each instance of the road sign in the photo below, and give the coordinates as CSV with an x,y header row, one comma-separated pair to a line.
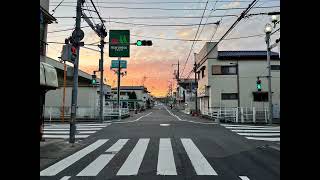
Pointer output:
x,y
119,43
115,64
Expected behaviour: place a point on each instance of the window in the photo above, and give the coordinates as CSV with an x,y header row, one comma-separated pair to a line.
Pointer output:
x,y
229,96
275,67
123,93
224,70
260,96
202,73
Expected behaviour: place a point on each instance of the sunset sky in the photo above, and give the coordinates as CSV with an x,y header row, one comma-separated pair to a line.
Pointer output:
x,y
155,62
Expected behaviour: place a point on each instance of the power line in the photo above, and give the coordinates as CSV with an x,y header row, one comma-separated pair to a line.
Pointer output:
x,y
164,2
174,9
56,7
231,27
193,42
94,6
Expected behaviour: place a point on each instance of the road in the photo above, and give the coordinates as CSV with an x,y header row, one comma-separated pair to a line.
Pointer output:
x,y
160,144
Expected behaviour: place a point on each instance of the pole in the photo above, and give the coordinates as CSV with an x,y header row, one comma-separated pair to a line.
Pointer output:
x,y
101,79
238,83
196,91
269,78
118,94
64,90
75,77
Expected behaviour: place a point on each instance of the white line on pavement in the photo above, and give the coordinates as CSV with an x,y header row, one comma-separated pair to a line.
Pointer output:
x,y
66,162
58,136
67,132
132,164
240,125
264,139
98,164
67,129
65,178
259,134
199,162
166,164
255,131
185,120
133,120
244,177
271,128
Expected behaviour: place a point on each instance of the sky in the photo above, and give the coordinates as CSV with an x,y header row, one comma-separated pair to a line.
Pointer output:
x,y
152,66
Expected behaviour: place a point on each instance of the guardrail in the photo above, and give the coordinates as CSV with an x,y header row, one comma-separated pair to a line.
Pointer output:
x,y
55,112
237,115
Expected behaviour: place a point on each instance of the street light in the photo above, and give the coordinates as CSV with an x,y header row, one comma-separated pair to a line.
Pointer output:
x,y
268,29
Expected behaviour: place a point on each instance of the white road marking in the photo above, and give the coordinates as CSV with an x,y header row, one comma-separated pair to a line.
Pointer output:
x,y
199,162
264,139
58,136
255,128
65,178
242,125
67,129
120,122
244,177
164,124
166,164
186,120
67,132
98,164
66,162
132,164
259,134
254,131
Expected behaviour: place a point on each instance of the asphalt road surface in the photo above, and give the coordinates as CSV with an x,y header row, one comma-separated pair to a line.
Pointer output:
x,y
159,145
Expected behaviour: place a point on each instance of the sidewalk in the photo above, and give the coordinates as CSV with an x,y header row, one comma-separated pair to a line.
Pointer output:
x,y
54,149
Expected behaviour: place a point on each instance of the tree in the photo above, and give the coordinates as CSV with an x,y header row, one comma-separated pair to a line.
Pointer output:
x,y
132,95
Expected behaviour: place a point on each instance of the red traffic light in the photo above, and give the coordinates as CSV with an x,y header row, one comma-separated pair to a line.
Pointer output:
x,y
73,50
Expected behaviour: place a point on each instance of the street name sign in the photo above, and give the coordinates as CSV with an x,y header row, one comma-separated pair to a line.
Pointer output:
x,y
119,43
115,64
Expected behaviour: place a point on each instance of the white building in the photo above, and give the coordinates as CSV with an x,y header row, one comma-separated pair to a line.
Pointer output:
x,y
186,94
217,79
144,99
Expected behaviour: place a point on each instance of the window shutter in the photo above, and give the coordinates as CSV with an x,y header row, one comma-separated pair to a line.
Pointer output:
x,y
216,69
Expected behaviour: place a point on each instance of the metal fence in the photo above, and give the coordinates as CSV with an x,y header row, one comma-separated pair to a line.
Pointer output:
x,y
55,112
237,115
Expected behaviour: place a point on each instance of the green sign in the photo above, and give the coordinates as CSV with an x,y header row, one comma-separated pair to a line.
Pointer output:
x,y
119,43
115,64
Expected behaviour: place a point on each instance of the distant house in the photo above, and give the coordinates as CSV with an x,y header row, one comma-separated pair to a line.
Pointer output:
x,y
143,98
186,94
220,70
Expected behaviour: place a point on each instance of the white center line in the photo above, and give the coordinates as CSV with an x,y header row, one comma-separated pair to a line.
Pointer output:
x,y
132,164
66,162
199,162
166,165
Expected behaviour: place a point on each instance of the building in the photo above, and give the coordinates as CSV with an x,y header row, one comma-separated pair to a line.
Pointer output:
x,y
88,94
219,73
141,99
186,94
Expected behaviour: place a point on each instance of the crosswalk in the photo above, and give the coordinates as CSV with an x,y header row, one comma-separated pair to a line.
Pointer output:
x,y
134,160
61,131
262,133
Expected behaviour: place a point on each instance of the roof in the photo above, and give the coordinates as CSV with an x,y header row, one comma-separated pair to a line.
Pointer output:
x,y
256,55
131,88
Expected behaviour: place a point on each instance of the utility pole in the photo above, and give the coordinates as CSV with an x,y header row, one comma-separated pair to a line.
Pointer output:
x,y
118,94
238,83
75,75
269,78
64,88
101,46
196,89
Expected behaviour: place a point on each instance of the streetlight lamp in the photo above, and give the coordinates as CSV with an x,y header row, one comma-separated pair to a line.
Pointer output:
x,y
274,20
268,29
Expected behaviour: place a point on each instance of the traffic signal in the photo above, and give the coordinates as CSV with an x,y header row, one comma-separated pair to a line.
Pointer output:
x,y
144,43
94,80
259,86
73,53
